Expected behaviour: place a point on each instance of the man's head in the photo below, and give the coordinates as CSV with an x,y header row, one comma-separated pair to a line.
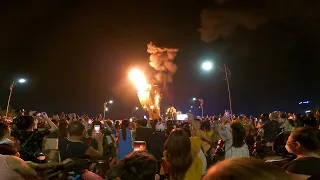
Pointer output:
x,y
142,123
137,165
282,115
76,128
159,127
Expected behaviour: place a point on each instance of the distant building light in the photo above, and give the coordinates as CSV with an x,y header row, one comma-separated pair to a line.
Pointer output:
x,y
303,102
307,111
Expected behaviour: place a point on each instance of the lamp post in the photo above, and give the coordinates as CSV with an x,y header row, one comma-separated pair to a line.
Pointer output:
x,y
200,104
21,81
207,66
132,112
105,108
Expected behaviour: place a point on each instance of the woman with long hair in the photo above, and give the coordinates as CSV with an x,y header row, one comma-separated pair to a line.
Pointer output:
x,y
125,140
234,139
305,144
181,156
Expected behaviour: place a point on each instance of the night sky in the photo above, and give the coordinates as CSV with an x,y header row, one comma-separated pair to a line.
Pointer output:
x,y
77,54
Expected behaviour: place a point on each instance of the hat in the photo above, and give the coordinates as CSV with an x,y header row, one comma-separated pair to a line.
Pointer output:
x,y
160,127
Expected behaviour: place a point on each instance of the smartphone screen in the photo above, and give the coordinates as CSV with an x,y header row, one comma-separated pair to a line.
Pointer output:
x,y
182,117
139,146
97,128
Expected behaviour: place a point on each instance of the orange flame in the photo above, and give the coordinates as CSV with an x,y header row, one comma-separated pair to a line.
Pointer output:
x,y
148,96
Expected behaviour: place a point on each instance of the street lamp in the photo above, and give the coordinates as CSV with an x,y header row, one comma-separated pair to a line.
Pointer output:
x,y
132,112
21,81
193,99
207,66
105,108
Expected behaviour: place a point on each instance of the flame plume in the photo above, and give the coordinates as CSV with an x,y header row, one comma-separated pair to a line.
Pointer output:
x,y
148,94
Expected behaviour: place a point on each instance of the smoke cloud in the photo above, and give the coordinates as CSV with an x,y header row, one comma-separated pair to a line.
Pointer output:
x,y
222,20
161,59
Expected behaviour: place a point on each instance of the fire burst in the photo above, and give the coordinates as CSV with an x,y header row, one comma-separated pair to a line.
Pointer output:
x,y
149,95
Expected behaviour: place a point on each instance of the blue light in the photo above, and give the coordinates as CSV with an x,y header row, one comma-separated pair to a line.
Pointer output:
x,y
303,102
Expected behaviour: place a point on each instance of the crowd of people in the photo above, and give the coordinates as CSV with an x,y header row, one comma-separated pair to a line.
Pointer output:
x,y
210,148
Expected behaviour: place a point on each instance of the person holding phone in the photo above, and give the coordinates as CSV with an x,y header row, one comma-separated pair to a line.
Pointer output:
x,y
125,140
73,147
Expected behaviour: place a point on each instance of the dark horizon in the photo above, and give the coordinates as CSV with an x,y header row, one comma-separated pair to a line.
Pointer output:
x,y
77,55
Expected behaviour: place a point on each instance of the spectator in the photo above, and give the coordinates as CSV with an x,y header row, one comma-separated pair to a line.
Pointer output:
x,y
143,133
135,166
245,169
125,140
206,134
285,124
110,142
30,142
310,121
5,134
196,144
74,147
270,128
181,155
157,141
235,145
169,127
63,128
51,143
14,168
305,143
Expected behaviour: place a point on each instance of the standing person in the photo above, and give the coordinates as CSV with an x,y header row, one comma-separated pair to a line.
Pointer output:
x,y
5,137
51,143
30,141
110,141
286,124
270,128
63,128
156,142
206,135
125,140
143,133
181,155
73,147
235,145
169,127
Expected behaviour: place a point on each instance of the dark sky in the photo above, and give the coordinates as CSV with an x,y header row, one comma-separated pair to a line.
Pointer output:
x,y
76,54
